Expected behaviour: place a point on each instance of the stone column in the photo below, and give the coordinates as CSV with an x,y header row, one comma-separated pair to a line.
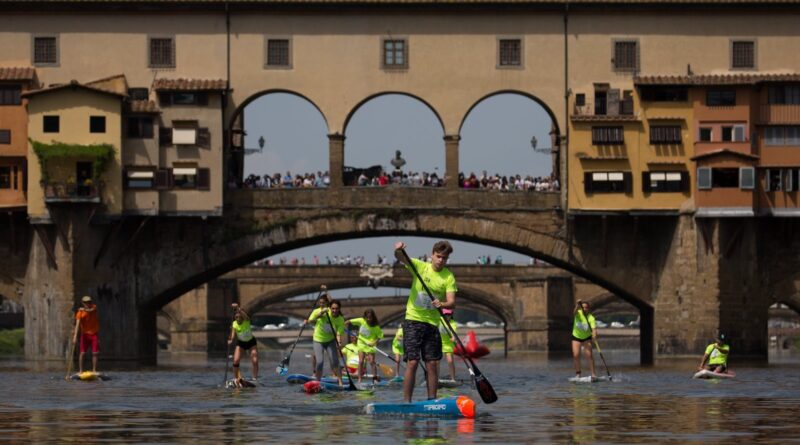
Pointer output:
x,y
451,160
201,318
336,158
560,294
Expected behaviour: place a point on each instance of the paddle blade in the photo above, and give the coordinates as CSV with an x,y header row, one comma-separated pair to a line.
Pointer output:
x,y
485,389
387,370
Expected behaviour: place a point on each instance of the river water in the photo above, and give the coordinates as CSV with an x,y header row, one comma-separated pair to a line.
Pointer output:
x,y
182,401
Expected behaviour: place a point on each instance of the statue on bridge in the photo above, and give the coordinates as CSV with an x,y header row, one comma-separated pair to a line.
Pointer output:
x,y
375,273
398,162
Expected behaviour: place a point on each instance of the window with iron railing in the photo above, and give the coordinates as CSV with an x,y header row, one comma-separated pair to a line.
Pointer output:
x,y
510,52
665,134
10,95
45,50
278,53
783,95
743,54
626,55
162,52
395,53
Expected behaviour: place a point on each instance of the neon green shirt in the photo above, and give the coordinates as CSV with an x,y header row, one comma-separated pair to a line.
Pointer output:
x,y
581,327
243,330
322,329
448,345
397,343
350,352
717,355
368,336
419,306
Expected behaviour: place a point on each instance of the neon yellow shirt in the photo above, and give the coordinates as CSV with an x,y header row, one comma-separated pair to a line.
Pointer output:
x,y
368,336
581,327
717,355
448,345
243,330
419,306
322,329
397,343
350,352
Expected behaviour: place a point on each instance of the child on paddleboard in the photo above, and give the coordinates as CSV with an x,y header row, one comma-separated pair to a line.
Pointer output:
x,y
242,332
350,352
328,328
369,333
397,348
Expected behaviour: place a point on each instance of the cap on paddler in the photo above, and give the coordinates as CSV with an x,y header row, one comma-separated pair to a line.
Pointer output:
x,y
86,299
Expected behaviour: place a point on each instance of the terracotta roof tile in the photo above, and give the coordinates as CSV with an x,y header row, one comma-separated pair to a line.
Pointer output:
x,y
143,106
14,73
724,151
189,85
717,79
74,85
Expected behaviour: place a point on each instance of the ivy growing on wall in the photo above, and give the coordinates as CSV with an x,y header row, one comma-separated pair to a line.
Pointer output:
x,y
102,154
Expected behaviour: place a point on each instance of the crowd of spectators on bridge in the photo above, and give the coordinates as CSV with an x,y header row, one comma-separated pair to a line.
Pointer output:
x,y
510,182
287,181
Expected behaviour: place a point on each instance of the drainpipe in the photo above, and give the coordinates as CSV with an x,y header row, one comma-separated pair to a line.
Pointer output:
x,y
567,92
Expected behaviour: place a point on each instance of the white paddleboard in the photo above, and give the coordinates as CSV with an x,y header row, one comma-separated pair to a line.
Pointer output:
x,y
590,379
706,374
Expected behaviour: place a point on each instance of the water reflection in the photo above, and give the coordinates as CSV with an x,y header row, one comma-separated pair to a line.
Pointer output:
x,y
185,403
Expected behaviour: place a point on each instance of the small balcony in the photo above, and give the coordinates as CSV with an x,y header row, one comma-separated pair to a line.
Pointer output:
x,y
70,192
620,111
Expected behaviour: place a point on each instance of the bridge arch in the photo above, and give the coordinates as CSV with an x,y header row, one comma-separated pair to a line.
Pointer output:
x,y
239,110
534,98
371,97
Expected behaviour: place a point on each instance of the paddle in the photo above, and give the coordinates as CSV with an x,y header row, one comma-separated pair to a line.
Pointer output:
x,y
283,367
487,393
341,356
597,345
71,354
227,361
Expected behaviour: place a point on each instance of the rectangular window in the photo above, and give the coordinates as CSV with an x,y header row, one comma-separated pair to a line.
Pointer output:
x,y
140,127
5,177
185,177
773,180
161,52
665,181
626,55
5,137
600,102
97,124
724,178
182,98
510,52
738,133
580,100
727,134
665,94
50,124
395,53
607,136
784,95
278,52
45,50
607,182
10,95
705,134
743,54
782,136
184,136
139,93
139,179
720,98
665,134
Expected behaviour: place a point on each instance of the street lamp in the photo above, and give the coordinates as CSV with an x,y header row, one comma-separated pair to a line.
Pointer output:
x,y
534,142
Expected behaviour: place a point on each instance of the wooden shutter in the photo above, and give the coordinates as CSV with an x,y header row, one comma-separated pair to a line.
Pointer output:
x,y
627,178
612,104
124,179
645,182
203,138
203,179
163,179
164,136
685,181
587,182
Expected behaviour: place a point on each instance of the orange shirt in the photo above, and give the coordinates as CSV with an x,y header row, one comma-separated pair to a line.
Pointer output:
x,y
89,322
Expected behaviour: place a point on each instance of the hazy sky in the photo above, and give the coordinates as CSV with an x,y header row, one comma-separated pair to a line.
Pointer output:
x,y
496,137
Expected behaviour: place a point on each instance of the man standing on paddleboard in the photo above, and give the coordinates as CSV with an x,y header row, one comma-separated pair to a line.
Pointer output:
x,y
421,339
89,326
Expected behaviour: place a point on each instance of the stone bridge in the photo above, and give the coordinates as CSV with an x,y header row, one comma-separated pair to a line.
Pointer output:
x,y
688,278
535,303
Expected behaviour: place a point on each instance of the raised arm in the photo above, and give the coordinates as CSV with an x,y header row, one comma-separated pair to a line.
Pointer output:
x,y
398,252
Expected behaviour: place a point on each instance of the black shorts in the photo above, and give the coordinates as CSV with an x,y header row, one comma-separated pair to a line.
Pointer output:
x,y
421,341
245,345
574,338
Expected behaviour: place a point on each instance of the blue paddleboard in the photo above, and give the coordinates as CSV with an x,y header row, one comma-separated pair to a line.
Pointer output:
x,y
299,378
459,406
